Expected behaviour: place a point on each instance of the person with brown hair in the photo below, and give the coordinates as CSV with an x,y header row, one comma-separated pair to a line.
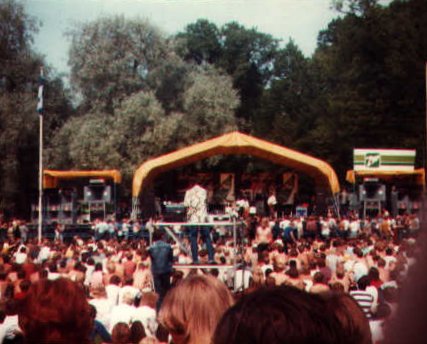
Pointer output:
x,y
191,310
351,317
121,334
279,315
56,312
137,332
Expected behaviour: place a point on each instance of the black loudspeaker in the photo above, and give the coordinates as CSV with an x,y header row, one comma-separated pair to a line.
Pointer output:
x,y
372,192
174,213
97,193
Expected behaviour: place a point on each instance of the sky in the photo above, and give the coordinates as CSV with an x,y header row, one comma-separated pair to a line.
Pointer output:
x,y
300,20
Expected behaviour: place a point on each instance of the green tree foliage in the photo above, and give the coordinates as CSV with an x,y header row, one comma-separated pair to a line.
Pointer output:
x,y
371,65
19,129
209,104
129,115
143,94
169,82
200,42
245,54
288,102
111,58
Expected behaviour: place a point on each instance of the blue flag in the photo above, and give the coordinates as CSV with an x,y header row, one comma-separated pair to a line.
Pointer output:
x,y
40,93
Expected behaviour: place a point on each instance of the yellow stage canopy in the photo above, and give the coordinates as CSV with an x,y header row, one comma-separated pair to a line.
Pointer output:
x,y
52,177
236,143
417,174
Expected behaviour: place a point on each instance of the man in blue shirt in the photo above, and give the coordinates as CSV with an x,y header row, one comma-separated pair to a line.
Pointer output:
x,y
161,256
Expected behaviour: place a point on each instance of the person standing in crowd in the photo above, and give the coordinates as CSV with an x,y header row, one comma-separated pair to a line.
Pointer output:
x,y
264,235
161,256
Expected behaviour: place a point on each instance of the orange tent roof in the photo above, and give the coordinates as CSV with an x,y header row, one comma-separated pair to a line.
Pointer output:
x,y
52,177
236,143
418,174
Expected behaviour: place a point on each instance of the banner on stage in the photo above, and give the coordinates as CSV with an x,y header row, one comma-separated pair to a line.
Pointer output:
x,y
384,159
227,186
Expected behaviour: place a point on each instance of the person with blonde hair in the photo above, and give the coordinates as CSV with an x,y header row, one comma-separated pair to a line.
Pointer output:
x,y
191,310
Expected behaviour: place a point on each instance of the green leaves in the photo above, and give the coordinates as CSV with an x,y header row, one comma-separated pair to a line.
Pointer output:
x,y
111,58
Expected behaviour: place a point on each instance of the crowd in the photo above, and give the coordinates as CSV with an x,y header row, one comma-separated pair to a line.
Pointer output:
x,y
322,279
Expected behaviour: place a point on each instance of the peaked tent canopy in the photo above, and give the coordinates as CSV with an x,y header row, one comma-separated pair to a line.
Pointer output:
x,y
236,143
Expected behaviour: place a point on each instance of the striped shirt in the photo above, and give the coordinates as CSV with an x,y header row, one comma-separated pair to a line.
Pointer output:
x,y
365,301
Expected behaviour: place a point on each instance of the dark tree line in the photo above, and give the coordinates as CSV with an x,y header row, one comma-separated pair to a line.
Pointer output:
x,y
142,94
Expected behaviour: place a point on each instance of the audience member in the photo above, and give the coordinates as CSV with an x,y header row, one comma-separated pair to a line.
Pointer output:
x,y
193,308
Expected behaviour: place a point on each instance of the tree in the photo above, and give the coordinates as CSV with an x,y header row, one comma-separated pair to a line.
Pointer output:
x,y
19,71
169,82
200,42
209,104
245,54
357,7
288,102
248,56
371,68
111,58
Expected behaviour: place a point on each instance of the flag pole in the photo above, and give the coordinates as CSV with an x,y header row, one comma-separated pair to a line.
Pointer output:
x,y
40,111
40,178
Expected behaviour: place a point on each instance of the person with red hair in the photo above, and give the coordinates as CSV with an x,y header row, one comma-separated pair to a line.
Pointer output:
x,y
56,312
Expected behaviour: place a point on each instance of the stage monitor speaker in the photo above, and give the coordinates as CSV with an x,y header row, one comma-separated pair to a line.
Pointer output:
x,y
174,213
97,193
372,192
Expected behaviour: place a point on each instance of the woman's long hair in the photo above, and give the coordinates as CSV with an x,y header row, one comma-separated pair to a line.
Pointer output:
x,y
193,308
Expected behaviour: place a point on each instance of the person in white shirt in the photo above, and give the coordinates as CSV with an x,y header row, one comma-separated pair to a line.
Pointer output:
x,y
113,289
128,289
146,313
9,327
102,305
21,255
354,228
123,312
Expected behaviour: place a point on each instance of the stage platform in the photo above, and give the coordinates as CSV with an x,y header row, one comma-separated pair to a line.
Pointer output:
x,y
204,224
203,266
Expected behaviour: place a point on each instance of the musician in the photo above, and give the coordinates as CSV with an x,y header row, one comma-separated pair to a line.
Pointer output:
x,y
195,200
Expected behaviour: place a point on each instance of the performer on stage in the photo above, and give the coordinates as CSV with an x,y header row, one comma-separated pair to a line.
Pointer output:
x,y
195,201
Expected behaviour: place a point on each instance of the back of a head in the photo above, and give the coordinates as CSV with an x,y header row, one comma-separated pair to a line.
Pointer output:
x,y
350,316
157,235
363,282
278,315
193,308
149,299
120,334
55,312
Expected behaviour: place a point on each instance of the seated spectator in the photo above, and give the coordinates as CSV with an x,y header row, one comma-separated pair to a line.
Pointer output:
x,y
129,289
56,312
363,297
113,289
99,331
319,285
146,313
120,334
9,327
137,332
102,305
278,273
123,312
377,323
191,310
279,315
